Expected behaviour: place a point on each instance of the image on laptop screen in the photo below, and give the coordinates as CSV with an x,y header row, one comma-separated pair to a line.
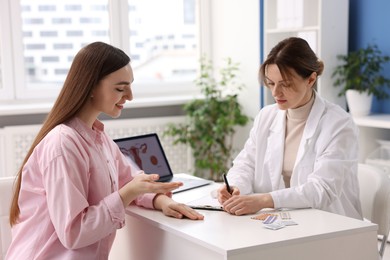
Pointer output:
x,y
146,153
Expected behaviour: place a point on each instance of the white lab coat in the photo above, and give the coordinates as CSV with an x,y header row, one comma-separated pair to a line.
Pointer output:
x,y
325,171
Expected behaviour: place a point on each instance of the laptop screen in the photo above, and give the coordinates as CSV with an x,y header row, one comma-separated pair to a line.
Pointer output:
x,y
146,153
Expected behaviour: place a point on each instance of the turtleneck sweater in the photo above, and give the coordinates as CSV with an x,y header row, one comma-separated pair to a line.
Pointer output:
x,y
295,124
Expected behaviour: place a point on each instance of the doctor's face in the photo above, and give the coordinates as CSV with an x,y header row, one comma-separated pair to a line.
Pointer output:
x,y
292,92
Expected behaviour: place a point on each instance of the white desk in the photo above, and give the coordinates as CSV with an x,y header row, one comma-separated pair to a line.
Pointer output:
x,y
149,235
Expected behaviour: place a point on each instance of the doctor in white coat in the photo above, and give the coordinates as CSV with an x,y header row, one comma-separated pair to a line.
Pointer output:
x,y
302,151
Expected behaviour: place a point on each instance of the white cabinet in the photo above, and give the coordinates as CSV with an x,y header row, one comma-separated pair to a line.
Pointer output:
x,y
323,23
372,128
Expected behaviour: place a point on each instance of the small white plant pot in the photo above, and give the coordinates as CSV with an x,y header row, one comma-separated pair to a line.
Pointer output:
x,y
359,103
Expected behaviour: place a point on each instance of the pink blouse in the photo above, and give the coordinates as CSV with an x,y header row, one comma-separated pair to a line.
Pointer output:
x,y
69,203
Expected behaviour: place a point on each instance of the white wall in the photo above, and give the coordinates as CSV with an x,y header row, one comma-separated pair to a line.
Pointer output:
x,y
235,33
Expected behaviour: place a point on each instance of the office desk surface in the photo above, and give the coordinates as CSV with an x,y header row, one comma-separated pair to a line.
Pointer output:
x,y
318,235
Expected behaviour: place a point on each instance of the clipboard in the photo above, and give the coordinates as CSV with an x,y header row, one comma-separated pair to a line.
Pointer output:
x,y
205,203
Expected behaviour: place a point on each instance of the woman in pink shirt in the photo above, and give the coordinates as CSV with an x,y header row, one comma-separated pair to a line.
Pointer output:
x,y
74,184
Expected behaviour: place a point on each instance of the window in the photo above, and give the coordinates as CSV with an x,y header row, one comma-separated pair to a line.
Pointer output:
x,y
49,23
6,78
161,37
159,46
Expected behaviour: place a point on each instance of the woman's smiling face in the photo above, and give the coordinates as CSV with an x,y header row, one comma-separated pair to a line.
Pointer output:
x,y
111,93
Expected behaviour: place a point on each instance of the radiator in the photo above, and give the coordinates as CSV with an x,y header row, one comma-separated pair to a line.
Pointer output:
x,y
16,140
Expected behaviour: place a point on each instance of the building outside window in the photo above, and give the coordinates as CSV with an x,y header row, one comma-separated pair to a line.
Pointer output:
x,y
161,37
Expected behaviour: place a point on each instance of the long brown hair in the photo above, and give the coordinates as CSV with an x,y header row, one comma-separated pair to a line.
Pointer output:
x,y
91,64
292,53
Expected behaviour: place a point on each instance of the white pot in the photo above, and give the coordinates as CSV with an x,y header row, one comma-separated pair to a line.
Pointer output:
x,y
359,103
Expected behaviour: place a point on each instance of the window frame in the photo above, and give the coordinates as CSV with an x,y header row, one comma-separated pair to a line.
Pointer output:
x,y
14,89
7,77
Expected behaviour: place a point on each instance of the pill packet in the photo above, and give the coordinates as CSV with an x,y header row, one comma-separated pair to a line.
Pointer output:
x,y
275,225
285,215
270,219
289,222
263,216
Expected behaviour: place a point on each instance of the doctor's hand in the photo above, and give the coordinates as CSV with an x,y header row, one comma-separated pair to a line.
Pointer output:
x,y
248,204
174,209
223,195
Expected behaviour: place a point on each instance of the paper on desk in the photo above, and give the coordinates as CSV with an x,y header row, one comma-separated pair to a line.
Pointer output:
x,y
206,202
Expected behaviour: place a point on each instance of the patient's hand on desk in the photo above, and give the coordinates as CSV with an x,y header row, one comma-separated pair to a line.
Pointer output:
x,y
174,209
237,204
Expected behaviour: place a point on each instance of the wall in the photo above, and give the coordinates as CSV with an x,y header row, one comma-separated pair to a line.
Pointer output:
x,y
368,24
235,33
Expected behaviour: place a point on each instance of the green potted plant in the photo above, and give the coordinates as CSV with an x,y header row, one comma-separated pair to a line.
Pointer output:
x,y
212,120
360,77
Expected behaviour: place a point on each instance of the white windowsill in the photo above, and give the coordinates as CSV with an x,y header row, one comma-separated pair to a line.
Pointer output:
x,y
44,107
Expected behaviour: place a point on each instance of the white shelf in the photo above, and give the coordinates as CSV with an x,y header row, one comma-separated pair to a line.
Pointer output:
x,y
375,120
293,30
371,129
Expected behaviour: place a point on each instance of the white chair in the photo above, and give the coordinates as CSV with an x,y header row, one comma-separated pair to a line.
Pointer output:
x,y
374,186
6,184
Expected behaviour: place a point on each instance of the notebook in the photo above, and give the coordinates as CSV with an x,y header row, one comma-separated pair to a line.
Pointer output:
x,y
207,202
146,153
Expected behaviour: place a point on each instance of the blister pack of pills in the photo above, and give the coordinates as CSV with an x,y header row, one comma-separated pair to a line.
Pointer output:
x,y
275,221
275,225
263,216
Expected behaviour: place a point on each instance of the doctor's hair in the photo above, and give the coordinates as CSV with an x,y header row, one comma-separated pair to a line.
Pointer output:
x,y
292,54
90,65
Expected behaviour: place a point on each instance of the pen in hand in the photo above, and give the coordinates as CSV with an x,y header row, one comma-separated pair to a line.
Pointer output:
x,y
227,184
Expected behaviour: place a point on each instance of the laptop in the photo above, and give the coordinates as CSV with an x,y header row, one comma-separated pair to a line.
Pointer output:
x,y
146,153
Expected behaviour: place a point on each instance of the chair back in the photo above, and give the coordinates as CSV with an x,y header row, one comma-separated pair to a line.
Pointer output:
x,y
6,184
374,186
